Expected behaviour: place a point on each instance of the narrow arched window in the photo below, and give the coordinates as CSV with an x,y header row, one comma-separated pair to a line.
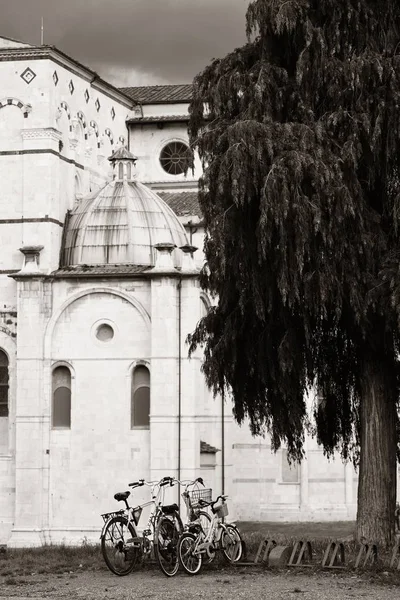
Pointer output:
x,y
61,414
129,170
140,404
120,171
4,375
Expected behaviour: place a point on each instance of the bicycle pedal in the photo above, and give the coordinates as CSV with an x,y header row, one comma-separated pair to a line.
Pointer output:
x,y
147,532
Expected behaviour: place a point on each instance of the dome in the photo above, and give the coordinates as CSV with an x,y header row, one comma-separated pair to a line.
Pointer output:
x,y
121,223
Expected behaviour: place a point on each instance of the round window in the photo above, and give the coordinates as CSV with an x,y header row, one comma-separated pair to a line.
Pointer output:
x,y
104,332
174,158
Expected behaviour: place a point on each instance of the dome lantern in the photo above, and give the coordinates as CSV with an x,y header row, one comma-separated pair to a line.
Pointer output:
x,y
124,164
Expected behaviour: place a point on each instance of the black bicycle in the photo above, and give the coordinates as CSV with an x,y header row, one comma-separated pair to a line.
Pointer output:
x,y
123,549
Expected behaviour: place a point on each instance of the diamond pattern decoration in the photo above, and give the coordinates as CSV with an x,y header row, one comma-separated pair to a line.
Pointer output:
x,y
87,96
71,87
55,77
97,105
113,113
28,75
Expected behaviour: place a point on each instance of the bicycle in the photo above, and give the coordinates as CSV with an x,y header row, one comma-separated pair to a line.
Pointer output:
x,y
193,500
195,545
121,546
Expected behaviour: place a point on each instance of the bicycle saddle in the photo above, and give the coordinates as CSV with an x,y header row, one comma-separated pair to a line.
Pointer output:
x,y
170,508
120,496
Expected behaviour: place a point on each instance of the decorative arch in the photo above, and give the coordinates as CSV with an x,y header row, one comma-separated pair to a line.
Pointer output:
x,y
137,363
26,108
110,135
95,290
82,119
63,363
6,331
95,128
65,107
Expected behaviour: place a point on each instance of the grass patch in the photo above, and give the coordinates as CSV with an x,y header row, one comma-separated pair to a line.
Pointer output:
x,y
54,559
325,530
62,560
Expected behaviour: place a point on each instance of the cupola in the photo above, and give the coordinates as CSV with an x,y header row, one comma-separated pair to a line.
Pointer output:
x,y
123,223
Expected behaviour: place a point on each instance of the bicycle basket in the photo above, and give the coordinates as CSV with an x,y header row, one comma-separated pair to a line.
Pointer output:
x,y
221,510
196,495
136,512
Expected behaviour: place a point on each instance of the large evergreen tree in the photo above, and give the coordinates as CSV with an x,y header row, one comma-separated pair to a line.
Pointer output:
x,y
299,135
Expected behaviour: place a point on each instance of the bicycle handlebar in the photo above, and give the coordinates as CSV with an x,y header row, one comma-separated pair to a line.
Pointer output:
x,y
136,483
165,481
213,502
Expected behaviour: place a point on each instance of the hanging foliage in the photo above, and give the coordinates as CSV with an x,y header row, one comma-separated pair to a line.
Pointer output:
x,y
298,132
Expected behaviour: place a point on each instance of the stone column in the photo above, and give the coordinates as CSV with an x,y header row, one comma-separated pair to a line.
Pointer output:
x,y
164,367
190,390
32,420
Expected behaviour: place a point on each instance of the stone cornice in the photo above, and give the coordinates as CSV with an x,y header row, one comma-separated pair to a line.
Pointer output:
x,y
41,134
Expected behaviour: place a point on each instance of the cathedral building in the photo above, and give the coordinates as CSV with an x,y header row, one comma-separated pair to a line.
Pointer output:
x,y
101,246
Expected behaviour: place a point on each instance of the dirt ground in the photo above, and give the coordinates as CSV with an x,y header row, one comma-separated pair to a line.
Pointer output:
x,y
248,583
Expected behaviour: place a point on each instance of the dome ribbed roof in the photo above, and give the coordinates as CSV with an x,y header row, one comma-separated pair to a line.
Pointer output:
x,y
120,224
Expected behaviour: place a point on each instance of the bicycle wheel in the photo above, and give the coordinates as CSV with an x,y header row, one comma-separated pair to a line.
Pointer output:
x,y
231,544
205,522
117,548
165,544
191,563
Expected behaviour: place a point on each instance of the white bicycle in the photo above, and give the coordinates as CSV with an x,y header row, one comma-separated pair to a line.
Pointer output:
x,y
196,545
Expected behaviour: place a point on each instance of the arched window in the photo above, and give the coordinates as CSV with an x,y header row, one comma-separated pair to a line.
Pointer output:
x,y
3,384
61,398
120,171
140,404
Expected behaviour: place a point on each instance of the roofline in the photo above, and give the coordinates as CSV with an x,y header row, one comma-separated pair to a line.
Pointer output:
x,y
6,37
54,54
148,274
157,119
164,101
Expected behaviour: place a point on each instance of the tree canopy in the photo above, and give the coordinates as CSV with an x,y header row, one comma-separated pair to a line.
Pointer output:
x,y
299,136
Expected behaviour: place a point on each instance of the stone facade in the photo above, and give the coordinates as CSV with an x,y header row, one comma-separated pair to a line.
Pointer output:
x,y
59,122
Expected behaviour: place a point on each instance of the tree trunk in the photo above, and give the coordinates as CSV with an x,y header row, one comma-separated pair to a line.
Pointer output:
x,y
377,476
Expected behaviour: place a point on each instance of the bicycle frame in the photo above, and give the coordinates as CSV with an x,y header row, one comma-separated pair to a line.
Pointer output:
x,y
211,542
205,543
157,499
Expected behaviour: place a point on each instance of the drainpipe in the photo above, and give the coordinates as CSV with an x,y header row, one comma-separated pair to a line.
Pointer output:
x,y
179,383
223,444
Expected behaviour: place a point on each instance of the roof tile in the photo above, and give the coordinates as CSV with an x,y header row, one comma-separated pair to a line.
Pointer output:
x,y
207,448
160,118
99,270
159,94
182,203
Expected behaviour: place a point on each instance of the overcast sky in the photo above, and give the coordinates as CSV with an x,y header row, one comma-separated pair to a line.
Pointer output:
x,y
132,42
